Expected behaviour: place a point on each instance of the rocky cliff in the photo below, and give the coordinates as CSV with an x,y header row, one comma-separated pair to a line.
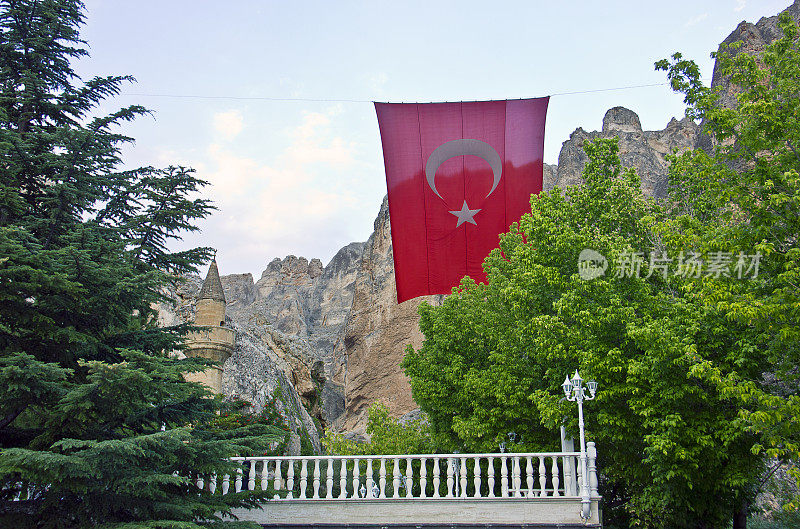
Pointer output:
x,y
329,339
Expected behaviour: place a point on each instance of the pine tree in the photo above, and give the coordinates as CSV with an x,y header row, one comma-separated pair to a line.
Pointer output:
x,y
97,425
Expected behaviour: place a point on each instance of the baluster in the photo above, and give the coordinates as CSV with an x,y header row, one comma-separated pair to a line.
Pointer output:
x,y
226,483
212,483
569,483
503,477
490,477
436,478
316,479
277,485
517,480
396,478
382,476
423,478
303,478
529,477
290,480
199,482
409,478
329,480
555,477
237,487
476,471
463,477
251,481
591,453
343,479
356,479
264,475
450,474
542,477
370,481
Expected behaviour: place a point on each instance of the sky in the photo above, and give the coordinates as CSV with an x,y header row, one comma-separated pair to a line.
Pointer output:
x,y
270,100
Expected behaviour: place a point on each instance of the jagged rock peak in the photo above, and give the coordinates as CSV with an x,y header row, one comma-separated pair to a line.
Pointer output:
x,y
621,119
754,38
293,265
212,286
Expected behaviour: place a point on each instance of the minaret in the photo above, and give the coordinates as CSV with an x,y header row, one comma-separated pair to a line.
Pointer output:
x,y
214,341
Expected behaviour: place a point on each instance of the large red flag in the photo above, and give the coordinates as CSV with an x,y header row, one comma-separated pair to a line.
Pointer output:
x,y
458,175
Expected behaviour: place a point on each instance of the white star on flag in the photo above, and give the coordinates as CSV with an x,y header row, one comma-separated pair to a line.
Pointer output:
x,y
465,215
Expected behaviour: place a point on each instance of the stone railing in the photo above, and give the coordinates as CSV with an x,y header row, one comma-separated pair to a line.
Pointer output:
x,y
499,486
503,475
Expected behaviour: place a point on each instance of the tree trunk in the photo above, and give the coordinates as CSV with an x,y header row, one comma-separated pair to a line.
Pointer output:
x,y
740,516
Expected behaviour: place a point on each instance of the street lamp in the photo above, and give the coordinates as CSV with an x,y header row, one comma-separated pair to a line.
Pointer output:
x,y
574,391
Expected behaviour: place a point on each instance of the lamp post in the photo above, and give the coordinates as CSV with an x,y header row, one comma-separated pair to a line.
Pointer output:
x,y
575,391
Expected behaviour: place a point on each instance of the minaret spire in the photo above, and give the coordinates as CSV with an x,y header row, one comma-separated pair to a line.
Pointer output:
x,y
212,286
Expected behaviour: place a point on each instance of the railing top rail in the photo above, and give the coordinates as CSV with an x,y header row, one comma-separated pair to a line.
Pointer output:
x,y
414,456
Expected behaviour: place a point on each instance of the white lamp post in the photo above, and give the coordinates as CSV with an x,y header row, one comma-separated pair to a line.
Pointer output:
x,y
575,391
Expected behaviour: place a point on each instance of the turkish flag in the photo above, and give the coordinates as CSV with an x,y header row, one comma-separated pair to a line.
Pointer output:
x,y
458,175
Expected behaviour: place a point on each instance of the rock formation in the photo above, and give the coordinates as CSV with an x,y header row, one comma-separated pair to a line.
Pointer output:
x,y
643,150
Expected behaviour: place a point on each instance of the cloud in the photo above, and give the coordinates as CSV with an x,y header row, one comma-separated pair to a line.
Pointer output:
x,y
300,201
696,20
228,124
740,4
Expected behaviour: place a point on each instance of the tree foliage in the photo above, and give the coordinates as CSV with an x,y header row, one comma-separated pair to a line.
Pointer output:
x,y
97,425
674,452
744,195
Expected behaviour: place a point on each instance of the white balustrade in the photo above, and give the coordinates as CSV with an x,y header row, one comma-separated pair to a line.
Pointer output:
x,y
542,477
411,477
450,474
343,480
329,480
316,479
356,479
436,478
396,478
503,477
370,483
591,453
423,478
383,478
476,473
529,476
463,474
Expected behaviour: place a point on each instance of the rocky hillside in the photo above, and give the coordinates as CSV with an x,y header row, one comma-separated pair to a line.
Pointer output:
x,y
329,339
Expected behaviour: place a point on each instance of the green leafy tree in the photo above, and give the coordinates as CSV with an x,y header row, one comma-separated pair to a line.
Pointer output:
x,y
743,196
674,451
387,435
97,425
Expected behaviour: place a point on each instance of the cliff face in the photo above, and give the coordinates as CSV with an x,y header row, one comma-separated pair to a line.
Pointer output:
x,y
643,150
329,339
377,332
